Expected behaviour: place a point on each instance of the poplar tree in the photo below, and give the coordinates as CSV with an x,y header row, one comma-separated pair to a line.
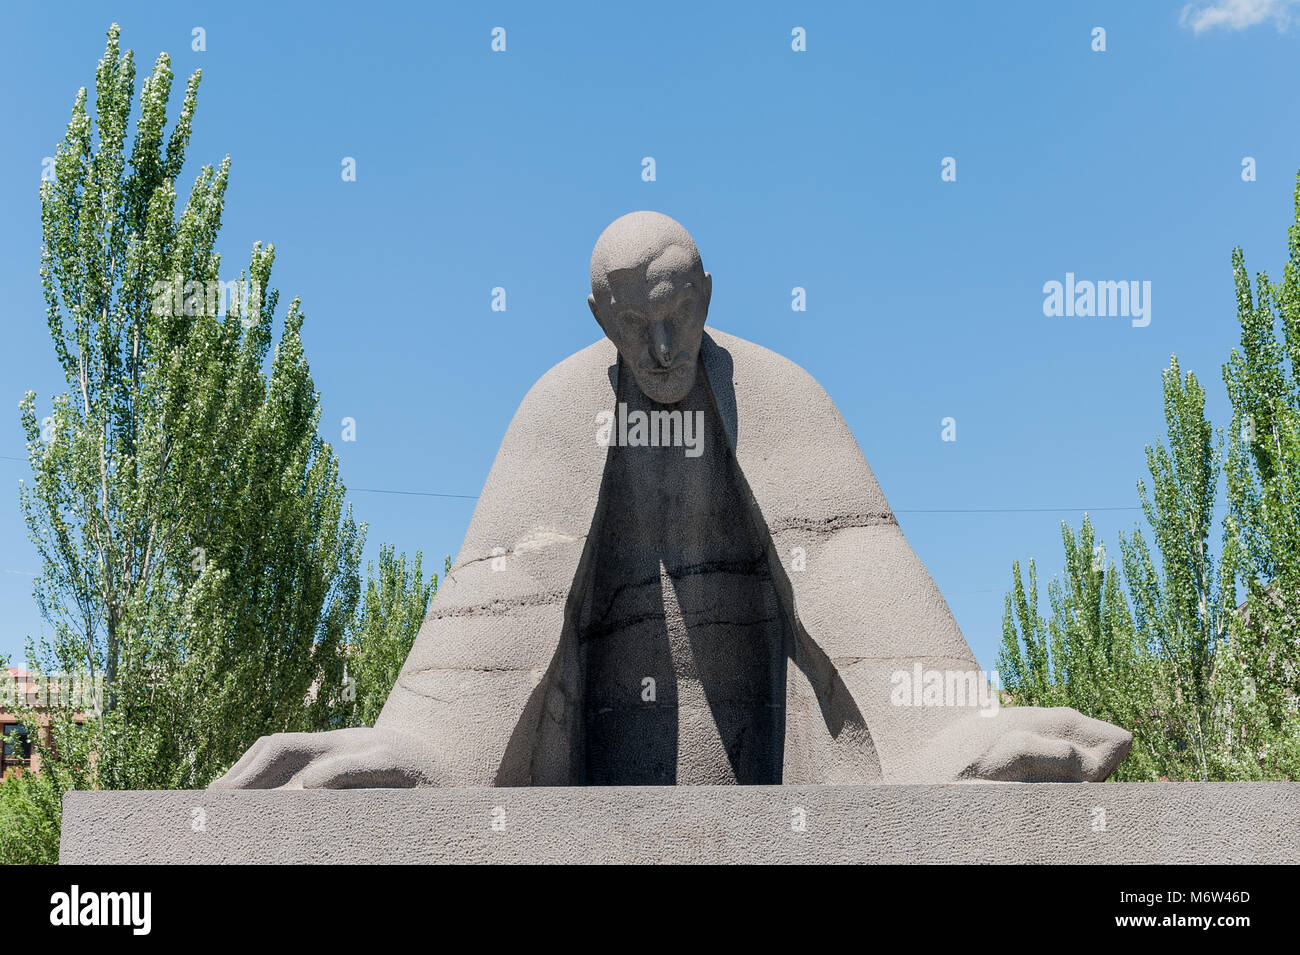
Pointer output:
x,y
396,600
196,552
1262,529
1181,595
1210,687
1140,650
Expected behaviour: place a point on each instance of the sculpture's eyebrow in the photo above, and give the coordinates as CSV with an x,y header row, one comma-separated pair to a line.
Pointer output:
x,y
684,292
614,301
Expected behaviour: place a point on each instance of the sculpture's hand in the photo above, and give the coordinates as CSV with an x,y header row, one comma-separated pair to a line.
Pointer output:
x,y
360,758
1022,744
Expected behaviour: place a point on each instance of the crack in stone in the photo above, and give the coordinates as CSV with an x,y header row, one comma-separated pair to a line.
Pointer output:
x,y
447,669
500,606
837,522
850,661
744,568
672,705
522,547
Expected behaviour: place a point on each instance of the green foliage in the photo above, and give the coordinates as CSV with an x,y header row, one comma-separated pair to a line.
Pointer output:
x,y
195,545
1083,656
31,804
1181,604
30,815
1262,529
395,604
1211,691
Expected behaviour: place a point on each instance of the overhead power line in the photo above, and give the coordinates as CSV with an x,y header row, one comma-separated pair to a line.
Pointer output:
x,y
384,490
1006,510
897,510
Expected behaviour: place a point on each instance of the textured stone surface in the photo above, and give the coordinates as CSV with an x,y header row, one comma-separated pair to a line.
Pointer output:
x,y
960,823
763,585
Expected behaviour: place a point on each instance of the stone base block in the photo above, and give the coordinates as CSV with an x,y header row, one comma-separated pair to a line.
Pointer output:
x,y
1011,823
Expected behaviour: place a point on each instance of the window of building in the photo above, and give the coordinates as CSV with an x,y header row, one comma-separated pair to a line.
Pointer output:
x,y
17,745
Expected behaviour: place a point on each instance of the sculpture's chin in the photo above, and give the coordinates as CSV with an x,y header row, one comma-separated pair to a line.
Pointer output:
x,y
669,388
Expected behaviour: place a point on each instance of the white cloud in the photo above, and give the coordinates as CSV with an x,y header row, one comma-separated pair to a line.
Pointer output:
x,y
1237,14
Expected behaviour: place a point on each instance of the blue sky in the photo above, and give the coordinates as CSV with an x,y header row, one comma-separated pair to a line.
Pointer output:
x,y
818,169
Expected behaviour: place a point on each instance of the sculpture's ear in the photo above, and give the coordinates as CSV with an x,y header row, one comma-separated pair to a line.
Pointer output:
x,y
708,290
595,313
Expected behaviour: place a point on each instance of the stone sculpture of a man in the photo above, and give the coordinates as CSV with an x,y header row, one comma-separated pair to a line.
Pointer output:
x,y
681,570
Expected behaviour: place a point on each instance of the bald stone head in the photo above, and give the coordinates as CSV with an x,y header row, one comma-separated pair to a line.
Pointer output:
x,y
650,295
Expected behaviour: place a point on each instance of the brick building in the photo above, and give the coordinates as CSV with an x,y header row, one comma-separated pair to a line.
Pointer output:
x,y
21,687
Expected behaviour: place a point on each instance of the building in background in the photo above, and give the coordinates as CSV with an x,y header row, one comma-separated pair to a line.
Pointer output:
x,y
23,688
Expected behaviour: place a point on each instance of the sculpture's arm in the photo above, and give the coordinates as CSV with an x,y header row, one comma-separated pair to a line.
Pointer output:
x,y
482,698
871,627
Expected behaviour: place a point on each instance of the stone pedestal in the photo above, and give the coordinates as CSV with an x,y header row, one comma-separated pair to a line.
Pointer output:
x,y
997,823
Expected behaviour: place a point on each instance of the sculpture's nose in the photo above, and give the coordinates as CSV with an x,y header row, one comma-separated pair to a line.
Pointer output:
x,y
661,345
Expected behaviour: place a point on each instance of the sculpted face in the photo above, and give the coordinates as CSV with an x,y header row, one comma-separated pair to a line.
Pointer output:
x,y
650,295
